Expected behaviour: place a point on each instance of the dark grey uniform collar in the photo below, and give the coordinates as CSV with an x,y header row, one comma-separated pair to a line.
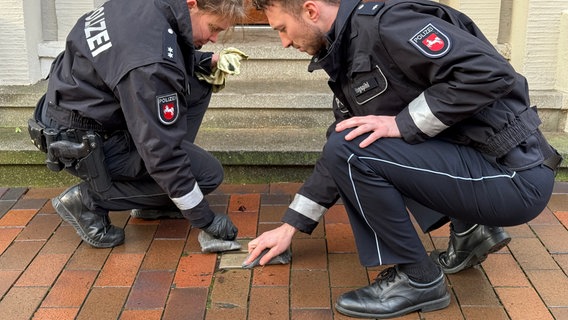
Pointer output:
x,y
177,15
330,54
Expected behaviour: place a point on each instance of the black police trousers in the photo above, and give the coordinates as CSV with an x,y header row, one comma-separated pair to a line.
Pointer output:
x,y
439,179
132,187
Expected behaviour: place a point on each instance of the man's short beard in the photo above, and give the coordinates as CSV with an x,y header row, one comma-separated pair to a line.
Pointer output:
x,y
315,34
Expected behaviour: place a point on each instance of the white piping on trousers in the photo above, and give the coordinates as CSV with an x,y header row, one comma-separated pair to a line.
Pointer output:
x,y
411,168
441,173
363,213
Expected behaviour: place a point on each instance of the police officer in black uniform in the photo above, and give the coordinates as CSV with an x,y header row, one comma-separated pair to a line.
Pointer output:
x,y
122,110
430,117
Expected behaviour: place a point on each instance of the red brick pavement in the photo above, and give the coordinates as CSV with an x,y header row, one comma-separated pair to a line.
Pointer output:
x,y
47,272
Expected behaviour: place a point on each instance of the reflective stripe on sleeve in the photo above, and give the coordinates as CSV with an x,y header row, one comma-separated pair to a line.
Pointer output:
x,y
189,200
307,207
423,117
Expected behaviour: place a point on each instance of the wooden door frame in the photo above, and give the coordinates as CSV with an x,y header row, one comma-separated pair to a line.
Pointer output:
x,y
254,16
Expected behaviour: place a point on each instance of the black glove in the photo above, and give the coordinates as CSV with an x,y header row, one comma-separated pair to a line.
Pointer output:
x,y
222,227
200,216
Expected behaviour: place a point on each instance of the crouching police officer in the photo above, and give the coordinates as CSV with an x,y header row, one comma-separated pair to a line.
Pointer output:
x,y
122,109
430,117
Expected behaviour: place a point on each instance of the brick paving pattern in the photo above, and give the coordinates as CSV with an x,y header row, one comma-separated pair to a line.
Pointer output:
x,y
47,272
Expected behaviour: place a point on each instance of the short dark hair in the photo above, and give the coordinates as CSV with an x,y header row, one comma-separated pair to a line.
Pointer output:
x,y
293,7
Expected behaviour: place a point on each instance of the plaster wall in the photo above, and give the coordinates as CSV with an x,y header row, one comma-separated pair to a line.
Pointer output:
x,y
531,33
20,32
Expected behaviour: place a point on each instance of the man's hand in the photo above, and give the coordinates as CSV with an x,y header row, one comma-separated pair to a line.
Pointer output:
x,y
379,126
214,60
222,228
278,240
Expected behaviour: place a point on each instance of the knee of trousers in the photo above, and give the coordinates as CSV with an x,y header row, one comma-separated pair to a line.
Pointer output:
x,y
213,179
334,150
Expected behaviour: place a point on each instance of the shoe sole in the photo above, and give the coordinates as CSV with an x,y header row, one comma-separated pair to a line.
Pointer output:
x,y
480,253
69,218
424,307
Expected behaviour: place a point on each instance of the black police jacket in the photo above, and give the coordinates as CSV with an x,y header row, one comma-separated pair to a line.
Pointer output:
x,y
126,65
431,67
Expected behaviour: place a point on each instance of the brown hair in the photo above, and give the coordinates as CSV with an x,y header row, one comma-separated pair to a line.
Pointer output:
x,y
294,7
232,10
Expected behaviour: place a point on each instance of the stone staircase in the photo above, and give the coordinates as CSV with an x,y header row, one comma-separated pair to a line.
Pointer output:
x,y
267,125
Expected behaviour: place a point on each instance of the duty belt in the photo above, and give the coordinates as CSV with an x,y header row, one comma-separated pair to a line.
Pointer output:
x,y
553,161
72,119
552,158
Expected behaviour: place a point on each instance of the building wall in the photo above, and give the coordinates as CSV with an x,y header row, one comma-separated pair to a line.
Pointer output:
x,y
20,34
485,13
531,33
562,61
48,20
535,40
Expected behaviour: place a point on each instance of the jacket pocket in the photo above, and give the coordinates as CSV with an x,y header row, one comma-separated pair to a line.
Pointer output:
x,y
367,81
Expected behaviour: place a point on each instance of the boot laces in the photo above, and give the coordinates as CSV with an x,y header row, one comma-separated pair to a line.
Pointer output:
x,y
106,225
386,276
451,239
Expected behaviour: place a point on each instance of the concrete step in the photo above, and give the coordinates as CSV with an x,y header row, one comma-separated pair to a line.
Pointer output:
x,y
267,125
18,102
267,58
251,155
280,140
242,103
248,155
270,104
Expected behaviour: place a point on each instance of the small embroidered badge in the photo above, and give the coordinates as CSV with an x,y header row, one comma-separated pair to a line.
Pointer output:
x,y
431,41
168,108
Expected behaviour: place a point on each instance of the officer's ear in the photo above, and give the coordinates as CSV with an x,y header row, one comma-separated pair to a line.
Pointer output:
x,y
311,10
191,4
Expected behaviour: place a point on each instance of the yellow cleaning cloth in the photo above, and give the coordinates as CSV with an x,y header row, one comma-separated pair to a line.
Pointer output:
x,y
229,63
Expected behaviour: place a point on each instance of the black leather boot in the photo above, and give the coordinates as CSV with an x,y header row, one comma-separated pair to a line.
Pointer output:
x,y
94,229
393,294
149,214
469,249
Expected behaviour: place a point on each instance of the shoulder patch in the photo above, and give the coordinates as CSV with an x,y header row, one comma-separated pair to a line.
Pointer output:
x,y
369,8
431,41
168,108
169,45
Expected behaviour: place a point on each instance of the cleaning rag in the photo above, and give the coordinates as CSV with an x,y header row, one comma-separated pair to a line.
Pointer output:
x,y
211,244
229,64
283,258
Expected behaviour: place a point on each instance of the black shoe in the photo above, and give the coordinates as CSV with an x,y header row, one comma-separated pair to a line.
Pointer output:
x,y
155,214
467,250
393,294
94,229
